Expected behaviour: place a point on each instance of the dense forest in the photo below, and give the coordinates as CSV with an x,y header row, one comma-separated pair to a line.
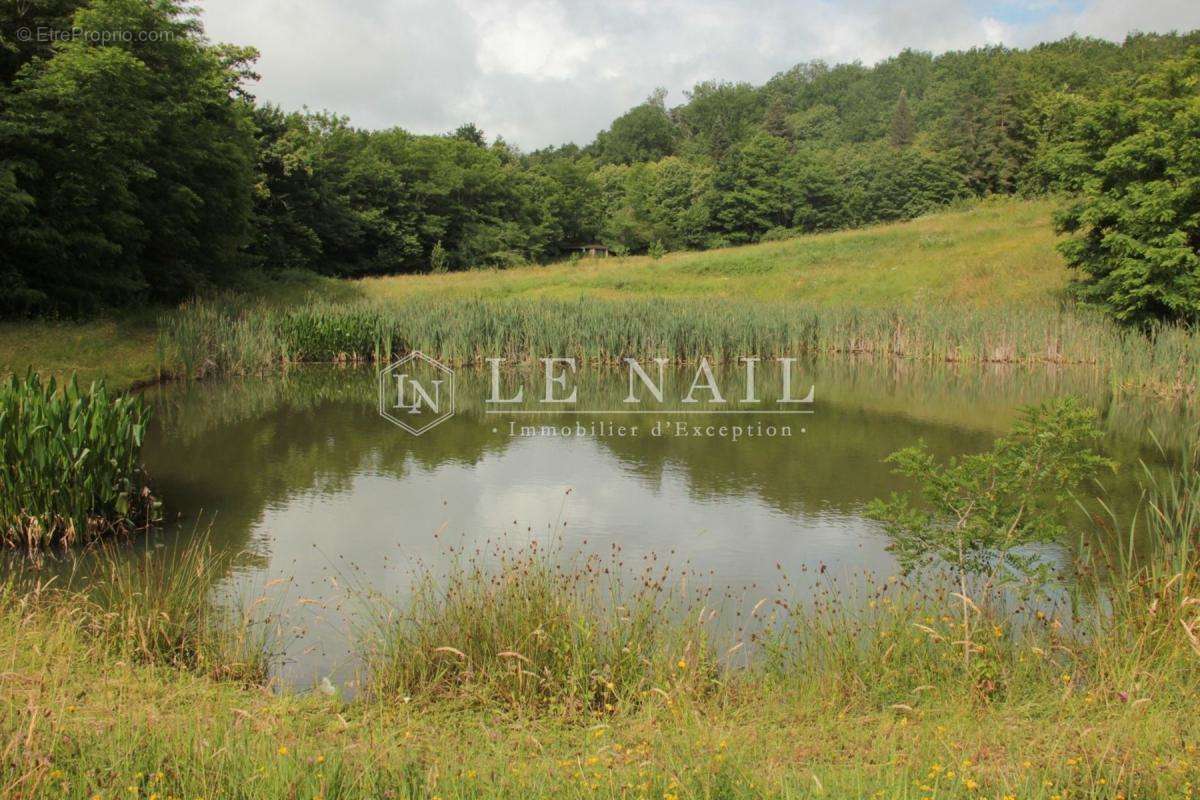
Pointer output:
x,y
136,165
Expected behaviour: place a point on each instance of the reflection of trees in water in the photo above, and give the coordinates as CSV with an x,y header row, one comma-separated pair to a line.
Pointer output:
x,y
236,447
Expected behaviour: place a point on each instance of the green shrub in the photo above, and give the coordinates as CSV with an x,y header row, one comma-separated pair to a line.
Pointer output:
x,y
70,463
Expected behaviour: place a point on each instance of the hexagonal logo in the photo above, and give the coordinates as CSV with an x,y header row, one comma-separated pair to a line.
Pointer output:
x,y
416,393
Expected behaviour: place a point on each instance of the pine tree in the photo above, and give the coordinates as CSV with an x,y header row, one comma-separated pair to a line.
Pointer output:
x,y
776,123
904,128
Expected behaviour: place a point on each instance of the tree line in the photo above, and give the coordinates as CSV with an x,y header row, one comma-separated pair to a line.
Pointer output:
x,y
140,168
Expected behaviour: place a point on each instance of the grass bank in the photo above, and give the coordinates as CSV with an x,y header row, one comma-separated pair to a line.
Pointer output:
x,y
523,674
858,705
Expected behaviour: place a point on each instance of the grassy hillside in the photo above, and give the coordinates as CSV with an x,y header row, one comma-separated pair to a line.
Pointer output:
x,y
992,253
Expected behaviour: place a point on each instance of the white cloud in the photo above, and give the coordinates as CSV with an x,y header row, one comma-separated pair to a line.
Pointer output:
x,y
533,40
544,72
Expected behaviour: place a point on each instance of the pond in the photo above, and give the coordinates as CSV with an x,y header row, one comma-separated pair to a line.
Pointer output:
x,y
300,478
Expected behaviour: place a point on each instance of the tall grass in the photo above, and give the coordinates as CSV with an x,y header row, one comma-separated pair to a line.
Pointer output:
x,y
226,336
71,463
528,630
158,607
1153,560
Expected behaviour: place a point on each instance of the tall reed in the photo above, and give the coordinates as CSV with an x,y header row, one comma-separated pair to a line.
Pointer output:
x,y
226,336
70,462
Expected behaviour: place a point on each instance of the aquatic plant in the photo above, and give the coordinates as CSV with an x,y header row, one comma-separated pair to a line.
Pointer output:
x,y
228,336
71,463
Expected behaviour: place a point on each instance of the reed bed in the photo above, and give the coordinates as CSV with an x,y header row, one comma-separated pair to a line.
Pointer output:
x,y
70,462
227,336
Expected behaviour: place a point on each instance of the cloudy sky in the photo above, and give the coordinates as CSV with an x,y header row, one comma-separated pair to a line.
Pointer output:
x,y
550,71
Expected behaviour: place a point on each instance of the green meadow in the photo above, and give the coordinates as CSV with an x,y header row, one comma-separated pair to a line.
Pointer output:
x,y
995,254
985,254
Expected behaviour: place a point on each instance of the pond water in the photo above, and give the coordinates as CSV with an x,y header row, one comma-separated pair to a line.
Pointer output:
x,y
300,477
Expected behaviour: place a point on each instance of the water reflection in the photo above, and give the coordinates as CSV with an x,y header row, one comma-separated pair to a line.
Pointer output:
x,y
300,476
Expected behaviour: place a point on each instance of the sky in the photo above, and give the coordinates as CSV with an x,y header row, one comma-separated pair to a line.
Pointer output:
x,y
542,72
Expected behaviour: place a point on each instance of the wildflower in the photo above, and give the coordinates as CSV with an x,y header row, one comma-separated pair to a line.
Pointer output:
x,y
970,784
682,664
1066,678
320,759
283,751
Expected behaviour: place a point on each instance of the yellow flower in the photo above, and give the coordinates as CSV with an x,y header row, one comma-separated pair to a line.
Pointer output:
x,y
1066,678
320,759
283,751
682,664
970,784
